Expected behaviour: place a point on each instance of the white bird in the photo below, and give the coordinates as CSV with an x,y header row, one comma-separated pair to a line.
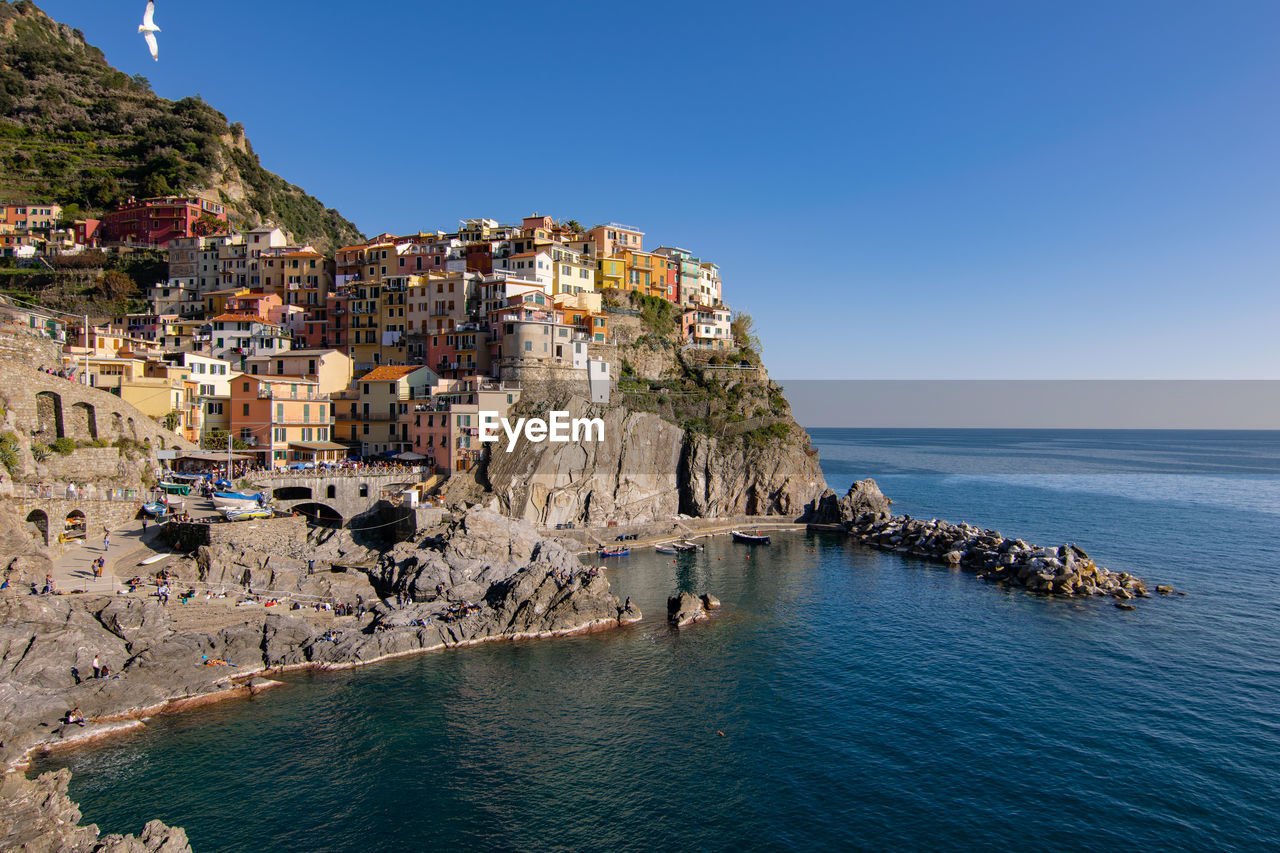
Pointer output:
x,y
149,29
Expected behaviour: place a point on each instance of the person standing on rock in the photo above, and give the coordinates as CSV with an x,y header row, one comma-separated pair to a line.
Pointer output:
x,y
97,667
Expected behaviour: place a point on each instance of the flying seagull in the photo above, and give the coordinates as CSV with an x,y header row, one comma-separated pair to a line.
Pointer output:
x,y
149,29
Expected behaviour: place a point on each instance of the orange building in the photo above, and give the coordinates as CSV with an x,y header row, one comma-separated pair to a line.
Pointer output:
x,y
282,419
649,274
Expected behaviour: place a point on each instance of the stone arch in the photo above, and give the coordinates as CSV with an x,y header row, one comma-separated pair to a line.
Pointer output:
x,y
292,493
364,490
161,437
48,417
117,425
320,515
331,492
76,523
40,519
133,429
83,421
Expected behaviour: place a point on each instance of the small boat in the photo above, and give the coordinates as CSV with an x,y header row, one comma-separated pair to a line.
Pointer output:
x,y
755,538
664,549
175,488
687,546
155,510
174,502
155,558
614,552
236,500
243,514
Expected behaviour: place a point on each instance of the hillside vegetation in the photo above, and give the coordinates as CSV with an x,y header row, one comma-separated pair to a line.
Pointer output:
x,y
75,130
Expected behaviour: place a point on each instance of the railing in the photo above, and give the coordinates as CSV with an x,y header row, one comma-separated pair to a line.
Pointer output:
x,y
343,469
90,492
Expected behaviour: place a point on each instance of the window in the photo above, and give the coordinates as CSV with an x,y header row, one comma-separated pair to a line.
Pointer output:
x,y
246,410
528,347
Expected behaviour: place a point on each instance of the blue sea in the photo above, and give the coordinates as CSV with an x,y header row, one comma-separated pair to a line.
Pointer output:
x,y
843,699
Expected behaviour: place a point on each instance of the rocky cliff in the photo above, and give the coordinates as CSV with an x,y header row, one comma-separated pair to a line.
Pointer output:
x,y
703,433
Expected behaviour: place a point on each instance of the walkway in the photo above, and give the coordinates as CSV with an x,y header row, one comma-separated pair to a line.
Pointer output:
x,y
74,569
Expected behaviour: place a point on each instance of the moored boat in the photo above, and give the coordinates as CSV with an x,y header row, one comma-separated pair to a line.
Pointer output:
x,y
754,537
664,549
686,545
236,500
241,514
155,510
614,552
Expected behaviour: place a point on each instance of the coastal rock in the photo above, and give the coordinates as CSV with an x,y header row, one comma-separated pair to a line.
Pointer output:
x,y
39,817
629,476
685,608
725,478
863,503
170,657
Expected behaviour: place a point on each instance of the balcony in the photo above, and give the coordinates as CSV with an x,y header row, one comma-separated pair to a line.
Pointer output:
x,y
268,394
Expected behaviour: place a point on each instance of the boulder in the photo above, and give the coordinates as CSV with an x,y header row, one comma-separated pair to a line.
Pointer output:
x,y
685,609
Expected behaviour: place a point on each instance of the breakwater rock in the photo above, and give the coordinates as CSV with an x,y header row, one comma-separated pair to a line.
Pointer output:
x,y
1063,570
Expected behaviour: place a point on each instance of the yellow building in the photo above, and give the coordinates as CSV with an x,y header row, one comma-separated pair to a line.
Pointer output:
x,y
611,274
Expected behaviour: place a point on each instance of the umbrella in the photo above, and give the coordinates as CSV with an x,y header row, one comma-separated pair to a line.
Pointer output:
x,y
409,456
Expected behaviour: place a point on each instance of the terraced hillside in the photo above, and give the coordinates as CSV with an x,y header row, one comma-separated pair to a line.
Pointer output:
x,y
75,130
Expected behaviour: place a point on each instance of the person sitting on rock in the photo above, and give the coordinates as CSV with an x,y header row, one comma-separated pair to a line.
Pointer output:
x,y
74,716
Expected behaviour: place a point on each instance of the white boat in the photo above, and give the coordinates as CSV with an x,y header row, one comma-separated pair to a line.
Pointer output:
x,y
664,549
244,513
235,500
155,558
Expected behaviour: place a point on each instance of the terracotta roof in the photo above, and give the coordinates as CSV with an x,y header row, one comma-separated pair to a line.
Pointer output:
x,y
390,372
243,318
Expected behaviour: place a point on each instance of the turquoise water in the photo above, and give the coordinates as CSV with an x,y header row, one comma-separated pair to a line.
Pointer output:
x,y
867,701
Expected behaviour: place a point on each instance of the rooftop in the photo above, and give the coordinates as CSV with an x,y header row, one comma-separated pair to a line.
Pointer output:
x,y
390,372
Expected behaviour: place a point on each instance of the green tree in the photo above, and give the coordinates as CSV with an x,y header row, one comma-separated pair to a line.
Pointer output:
x,y
743,328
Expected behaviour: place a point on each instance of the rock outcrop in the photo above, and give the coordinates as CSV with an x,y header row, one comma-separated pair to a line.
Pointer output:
x,y
39,817
648,469
629,476
481,578
863,502
685,608
721,478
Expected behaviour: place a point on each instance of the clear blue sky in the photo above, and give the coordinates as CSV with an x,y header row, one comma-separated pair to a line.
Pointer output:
x,y
931,189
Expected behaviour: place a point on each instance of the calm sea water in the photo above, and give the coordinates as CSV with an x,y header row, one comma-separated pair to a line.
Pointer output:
x,y
867,701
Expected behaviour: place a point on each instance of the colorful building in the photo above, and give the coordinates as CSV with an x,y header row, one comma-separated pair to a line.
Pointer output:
x,y
156,221
281,418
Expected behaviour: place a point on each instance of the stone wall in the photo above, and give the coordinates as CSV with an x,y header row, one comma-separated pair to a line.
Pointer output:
x,y
282,534
86,464
51,515
39,409
20,346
